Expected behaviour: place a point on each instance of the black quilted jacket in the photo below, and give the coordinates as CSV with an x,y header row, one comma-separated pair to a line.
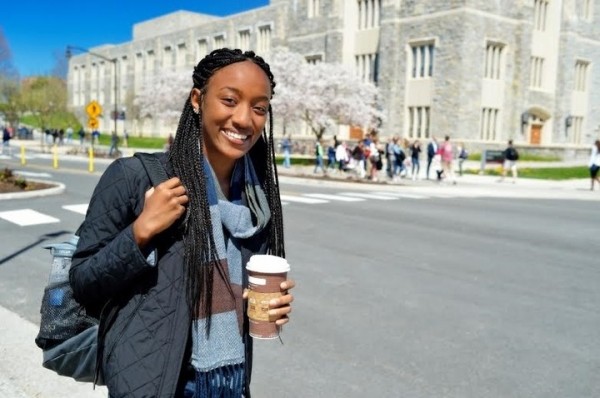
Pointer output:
x,y
146,343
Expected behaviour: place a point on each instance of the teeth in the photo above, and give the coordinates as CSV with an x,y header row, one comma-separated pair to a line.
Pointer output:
x,y
235,135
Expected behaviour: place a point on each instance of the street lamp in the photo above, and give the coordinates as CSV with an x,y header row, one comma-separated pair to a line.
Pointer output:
x,y
68,53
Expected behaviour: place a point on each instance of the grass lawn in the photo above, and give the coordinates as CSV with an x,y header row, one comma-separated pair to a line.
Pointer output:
x,y
137,142
548,173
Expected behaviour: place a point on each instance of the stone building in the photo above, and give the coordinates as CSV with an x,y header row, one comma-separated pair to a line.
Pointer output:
x,y
480,71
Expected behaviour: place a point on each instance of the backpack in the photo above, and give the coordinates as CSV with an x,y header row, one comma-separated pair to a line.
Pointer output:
x,y
463,154
68,336
512,154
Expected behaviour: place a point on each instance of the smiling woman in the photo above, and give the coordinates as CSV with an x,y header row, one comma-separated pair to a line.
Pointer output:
x,y
168,261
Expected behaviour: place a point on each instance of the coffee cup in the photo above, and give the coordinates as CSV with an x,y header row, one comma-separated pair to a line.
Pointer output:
x,y
265,274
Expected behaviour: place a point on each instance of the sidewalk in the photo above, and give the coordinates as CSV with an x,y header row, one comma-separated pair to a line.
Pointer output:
x,y
21,371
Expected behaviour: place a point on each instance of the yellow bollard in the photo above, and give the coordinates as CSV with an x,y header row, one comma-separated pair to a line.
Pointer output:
x,y
55,157
23,161
91,162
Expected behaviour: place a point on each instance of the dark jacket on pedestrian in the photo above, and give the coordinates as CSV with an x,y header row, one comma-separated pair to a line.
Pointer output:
x,y
144,338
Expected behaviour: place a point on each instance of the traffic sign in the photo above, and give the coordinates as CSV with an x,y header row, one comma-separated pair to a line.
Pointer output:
x,y
93,123
93,109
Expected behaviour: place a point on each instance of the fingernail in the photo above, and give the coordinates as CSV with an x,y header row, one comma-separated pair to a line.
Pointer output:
x,y
274,302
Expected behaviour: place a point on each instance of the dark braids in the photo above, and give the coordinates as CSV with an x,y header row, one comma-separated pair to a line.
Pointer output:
x,y
187,158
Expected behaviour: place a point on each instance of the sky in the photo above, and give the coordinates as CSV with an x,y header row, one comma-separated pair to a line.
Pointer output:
x,y
39,31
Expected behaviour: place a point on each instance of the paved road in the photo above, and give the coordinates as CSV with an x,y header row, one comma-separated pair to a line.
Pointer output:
x,y
479,290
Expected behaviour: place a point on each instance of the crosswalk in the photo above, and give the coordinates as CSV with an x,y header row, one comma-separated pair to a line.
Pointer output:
x,y
28,216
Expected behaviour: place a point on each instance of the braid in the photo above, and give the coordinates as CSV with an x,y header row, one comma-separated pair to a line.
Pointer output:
x,y
200,255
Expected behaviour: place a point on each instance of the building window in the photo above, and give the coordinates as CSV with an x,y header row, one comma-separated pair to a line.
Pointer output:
x,y
314,59
494,61
219,41
244,39
366,67
489,124
581,75
540,14
101,82
264,39
421,62
368,14
587,11
537,72
418,121
313,8
181,55
123,79
577,129
201,49
138,69
167,57
150,63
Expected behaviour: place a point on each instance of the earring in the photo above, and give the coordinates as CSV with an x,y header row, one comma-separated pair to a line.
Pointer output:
x,y
196,111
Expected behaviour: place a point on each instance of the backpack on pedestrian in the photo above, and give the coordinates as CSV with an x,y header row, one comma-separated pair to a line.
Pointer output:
x,y
68,336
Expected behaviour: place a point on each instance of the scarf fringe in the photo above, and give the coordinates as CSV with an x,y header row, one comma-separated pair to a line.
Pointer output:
x,y
224,382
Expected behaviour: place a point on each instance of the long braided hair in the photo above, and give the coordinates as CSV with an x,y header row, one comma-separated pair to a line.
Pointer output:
x,y
187,159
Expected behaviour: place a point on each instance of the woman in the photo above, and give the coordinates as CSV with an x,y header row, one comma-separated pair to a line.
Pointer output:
x,y
163,268
595,163
415,153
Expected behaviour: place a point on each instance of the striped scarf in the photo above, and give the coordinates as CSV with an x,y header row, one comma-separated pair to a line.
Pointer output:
x,y
219,359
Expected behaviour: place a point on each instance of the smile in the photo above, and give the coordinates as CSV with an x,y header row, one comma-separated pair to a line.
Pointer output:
x,y
235,136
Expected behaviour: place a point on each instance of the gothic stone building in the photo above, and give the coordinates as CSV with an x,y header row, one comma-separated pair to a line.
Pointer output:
x,y
480,71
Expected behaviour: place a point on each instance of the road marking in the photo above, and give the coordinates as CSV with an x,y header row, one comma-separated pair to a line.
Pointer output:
x,y
333,197
32,174
298,199
368,195
26,217
402,195
81,209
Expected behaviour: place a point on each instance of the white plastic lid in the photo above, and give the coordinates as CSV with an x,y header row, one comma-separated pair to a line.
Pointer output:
x,y
268,264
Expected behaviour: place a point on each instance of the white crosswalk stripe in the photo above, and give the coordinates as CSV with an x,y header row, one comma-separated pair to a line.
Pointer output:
x,y
81,209
300,199
333,197
402,195
26,217
368,195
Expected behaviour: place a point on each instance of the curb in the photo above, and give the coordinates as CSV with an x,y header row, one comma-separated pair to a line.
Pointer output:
x,y
56,190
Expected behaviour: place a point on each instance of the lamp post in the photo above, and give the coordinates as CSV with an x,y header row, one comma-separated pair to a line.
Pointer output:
x,y
68,54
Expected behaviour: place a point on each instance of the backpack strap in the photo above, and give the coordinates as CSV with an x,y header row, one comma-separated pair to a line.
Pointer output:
x,y
154,168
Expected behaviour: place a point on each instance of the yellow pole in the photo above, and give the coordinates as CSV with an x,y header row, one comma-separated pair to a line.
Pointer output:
x,y
91,162
23,161
55,157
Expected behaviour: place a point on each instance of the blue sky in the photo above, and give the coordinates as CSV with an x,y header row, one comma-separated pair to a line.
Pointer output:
x,y
38,31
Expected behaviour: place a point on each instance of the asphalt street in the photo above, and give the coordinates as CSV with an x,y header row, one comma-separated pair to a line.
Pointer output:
x,y
475,290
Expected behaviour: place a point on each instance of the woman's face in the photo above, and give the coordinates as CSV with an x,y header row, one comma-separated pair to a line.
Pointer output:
x,y
234,111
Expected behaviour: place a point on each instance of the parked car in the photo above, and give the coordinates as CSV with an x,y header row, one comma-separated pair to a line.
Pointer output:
x,y
24,133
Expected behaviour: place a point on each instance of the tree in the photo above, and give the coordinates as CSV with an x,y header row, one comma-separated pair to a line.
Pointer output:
x,y
162,96
43,97
9,83
323,95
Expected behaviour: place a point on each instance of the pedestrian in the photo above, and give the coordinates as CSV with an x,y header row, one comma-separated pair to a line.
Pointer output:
x,y
447,156
511,155
341,156
319,157
358,159
432,150
462,156
6,137
415,152
595,163
168,262
69,135
95,137
114,144
286,146
169,143
81,134
331,155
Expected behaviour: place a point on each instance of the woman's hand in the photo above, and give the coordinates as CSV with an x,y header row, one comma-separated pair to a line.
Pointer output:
x,y
280,307
163,206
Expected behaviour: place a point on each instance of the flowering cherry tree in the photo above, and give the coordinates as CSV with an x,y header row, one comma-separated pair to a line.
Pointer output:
x,y
162,95
322,95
